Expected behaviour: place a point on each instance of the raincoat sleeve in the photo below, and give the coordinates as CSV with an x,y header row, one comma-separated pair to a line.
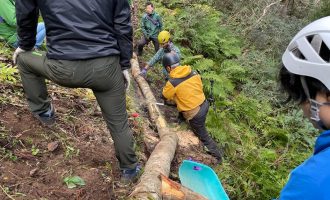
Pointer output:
x,y
27,14
169,91
7,12
177,51
159,55
123,27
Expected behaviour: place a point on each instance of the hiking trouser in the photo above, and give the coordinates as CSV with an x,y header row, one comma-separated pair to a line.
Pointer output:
x,y
102,75
197,124
145,41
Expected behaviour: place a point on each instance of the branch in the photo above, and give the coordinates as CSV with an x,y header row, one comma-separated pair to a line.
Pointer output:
x,y
8,195
265,11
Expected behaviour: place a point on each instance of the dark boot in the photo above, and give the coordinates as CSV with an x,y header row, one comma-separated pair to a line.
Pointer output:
x,y
129,176
47,118
215,151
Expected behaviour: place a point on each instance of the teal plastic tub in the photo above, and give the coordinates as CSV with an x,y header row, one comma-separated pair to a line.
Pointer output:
x,y
201,179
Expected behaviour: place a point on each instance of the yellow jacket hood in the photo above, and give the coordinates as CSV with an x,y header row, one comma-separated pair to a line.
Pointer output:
x,y
180,71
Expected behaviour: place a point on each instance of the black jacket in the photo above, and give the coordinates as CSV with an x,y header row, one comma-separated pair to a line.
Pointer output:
x,y
78,29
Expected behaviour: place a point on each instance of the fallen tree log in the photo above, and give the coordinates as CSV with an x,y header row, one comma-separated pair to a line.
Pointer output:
x,y
149,186
174,191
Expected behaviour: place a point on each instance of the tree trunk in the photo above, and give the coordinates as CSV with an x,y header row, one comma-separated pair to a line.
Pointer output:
x,y
174,191
159,162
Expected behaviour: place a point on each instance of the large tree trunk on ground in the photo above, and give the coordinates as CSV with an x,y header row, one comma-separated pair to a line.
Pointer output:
x,y
159,162
174,191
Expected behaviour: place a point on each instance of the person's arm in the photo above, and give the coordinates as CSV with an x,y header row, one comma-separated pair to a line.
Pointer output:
x,y
7,12
143,27
124,32
27,14
177,51
156,57
168,91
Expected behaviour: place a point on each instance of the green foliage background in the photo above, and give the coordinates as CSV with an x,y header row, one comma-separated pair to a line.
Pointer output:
x,y
239,47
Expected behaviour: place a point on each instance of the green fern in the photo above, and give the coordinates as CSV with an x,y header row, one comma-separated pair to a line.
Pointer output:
x,y
234,71
7,74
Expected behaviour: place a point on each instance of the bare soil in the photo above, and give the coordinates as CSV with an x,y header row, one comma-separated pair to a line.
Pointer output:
x,y
84,149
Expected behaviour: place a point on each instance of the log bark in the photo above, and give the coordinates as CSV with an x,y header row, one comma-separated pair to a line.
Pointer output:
x,y
149,186
174,191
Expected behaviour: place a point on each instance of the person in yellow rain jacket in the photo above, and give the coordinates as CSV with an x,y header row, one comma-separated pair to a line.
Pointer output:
x,y
185,88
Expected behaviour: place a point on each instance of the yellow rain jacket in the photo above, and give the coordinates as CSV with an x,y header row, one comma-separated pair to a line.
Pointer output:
x,y
185,88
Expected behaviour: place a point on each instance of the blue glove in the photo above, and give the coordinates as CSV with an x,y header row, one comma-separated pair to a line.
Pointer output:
x,y
144,72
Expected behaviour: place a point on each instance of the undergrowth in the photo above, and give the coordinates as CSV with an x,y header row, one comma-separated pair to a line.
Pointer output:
x,y
263,139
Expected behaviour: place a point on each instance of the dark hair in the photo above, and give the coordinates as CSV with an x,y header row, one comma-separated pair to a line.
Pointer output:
x,y
149,3
291,84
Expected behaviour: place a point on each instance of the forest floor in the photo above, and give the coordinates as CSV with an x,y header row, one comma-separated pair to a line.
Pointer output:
x,y
35,160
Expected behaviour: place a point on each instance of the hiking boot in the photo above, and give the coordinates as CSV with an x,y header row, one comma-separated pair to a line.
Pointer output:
x,y
215,152
180,118
47,118
129,176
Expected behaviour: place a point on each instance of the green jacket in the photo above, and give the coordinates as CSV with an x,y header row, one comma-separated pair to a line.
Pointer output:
x,y
151,25
8,22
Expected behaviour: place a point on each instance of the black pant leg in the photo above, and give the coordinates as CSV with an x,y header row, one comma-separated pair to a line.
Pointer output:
x,y
198,127
156,43
141,44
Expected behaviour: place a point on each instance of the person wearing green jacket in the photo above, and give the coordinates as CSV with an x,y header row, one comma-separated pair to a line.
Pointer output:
x,y
151,25
8,25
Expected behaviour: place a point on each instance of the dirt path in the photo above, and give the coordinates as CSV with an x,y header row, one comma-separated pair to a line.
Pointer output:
x,y
29,169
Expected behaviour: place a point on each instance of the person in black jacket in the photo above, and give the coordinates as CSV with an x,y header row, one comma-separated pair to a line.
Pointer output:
x,y
89,45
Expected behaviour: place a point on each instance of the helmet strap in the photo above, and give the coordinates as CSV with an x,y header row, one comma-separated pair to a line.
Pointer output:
x,y
314,106
305,87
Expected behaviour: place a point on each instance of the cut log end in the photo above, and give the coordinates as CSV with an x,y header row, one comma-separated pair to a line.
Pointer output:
x,y
174,191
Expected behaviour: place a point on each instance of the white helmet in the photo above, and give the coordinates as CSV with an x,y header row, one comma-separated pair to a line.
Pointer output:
x,y
308,52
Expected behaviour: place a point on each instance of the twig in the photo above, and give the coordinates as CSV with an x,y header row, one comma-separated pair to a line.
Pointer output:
x,y
8,195
247,29
265,11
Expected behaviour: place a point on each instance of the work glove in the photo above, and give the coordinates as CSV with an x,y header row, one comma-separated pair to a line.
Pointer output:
x,y
127,78
16,53
144,72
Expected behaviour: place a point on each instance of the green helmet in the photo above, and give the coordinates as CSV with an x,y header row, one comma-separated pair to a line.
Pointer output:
x,y
171,59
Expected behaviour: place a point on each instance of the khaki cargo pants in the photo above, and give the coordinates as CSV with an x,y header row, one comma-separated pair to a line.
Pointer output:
x,y
102,75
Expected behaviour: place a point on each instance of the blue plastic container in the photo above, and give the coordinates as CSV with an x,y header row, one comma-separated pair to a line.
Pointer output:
x,y
202,179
